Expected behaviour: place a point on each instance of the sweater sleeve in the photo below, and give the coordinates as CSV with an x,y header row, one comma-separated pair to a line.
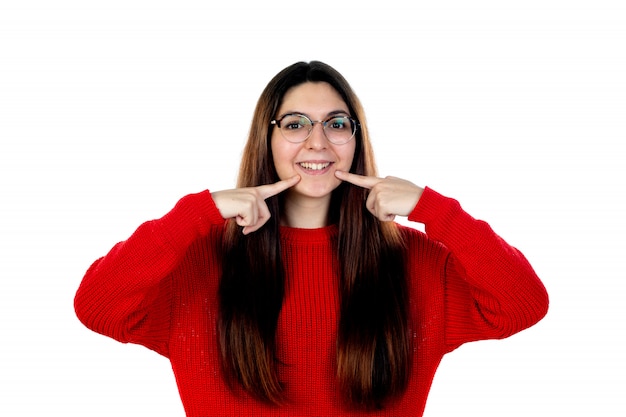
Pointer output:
x,y
491,291
125,294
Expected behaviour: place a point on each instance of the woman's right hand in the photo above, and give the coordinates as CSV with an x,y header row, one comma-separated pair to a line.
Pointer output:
x,y
247,205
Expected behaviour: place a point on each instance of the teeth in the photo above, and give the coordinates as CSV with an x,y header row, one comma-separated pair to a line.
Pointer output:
x,y
314,166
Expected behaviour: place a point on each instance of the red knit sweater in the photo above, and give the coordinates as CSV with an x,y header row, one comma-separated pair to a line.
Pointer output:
x,y
158,289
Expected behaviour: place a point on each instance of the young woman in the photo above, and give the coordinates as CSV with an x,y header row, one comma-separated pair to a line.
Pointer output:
x,y
295,293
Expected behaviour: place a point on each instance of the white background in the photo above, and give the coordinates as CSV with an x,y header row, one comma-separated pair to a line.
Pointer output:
x,y
111,111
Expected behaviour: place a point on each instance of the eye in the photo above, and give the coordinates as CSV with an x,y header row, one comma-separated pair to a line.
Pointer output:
x,y
339,123
294,122
292,126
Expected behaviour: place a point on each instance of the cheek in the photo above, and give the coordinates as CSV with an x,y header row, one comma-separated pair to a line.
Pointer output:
x,y
282,156
347,155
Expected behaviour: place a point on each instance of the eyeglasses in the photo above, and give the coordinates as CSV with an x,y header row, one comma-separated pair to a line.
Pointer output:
x,y
297,128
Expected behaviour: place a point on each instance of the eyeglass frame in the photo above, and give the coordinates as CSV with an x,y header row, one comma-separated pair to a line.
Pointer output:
x,y
355,123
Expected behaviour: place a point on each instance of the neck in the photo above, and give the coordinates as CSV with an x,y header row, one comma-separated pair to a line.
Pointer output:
x,y
306,213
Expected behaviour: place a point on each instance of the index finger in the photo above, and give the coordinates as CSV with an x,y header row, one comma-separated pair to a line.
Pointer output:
x,y
269,190
356,179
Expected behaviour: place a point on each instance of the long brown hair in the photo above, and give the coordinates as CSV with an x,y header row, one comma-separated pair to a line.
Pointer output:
x,y
373,351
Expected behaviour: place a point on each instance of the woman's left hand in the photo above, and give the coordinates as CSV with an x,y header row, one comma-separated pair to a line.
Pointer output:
x,y
389,197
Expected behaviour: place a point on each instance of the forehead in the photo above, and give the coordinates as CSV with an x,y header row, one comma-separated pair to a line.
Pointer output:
x,y
313,98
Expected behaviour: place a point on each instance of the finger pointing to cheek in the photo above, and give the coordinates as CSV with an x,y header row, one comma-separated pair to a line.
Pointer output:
x,y
269,190
358,180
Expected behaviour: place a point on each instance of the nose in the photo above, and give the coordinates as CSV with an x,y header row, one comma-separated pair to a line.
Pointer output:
x,y
317,138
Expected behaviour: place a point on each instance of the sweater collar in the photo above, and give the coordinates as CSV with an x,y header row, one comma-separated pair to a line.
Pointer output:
x,y
296,234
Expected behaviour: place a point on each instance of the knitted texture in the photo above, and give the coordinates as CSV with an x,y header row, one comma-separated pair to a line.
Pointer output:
x,y
159,289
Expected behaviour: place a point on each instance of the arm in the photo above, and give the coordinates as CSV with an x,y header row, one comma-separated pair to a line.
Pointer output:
x,y
491,291
125,294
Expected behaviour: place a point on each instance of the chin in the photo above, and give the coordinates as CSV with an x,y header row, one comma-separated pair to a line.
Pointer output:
x,y
317,190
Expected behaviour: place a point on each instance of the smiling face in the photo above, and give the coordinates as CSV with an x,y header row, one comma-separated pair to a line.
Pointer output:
x,y
316,159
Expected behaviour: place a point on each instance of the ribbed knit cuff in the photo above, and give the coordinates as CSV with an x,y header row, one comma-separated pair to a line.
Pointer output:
x,y
444,219
201,209
194,212
430,206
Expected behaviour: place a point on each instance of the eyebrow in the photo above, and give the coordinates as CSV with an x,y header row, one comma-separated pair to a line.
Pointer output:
x,y
329,114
